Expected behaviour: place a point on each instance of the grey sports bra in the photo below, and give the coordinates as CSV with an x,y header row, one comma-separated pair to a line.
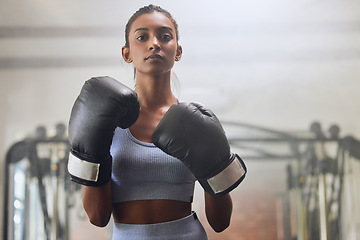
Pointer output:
x,y
141,171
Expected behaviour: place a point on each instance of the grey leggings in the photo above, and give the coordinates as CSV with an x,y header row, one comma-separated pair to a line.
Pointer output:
x,y
188,228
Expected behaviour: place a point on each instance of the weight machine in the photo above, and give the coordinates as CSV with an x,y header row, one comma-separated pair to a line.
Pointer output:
x,y
38,188
317,163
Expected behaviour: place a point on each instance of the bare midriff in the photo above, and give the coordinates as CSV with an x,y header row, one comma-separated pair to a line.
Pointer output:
x,y
150,211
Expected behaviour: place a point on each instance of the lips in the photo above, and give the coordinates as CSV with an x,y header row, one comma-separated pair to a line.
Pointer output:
x,y
154,56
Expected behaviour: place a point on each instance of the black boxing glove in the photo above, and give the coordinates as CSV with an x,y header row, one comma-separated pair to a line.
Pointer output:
x,y
103,104
193,134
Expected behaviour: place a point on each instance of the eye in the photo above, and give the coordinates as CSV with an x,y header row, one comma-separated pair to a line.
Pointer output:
x,y
166,37
141,38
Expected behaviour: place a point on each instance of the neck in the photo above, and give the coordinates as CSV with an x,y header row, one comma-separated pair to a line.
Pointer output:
x,y
154,91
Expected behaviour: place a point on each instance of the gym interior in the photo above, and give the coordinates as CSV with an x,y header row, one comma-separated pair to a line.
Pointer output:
x,y
282,77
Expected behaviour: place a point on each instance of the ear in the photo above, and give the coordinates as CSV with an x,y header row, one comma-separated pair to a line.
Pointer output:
x,y
126,54
178,53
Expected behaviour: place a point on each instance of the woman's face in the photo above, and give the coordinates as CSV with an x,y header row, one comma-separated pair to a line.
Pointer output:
x,y
153,47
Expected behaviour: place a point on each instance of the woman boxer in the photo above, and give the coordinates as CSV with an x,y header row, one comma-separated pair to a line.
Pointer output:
x,y
150,191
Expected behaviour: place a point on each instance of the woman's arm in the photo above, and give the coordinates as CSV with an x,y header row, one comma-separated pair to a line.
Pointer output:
x,y
97,203
218,211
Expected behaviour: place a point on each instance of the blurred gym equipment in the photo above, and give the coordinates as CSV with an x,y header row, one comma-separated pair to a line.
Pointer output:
x,y
321,194
38,187
317,203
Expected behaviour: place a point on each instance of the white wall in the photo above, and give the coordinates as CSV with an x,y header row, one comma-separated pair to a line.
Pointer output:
x,y
279,64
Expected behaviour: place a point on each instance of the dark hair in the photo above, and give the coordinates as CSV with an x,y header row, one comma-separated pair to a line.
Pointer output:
x,y
144,10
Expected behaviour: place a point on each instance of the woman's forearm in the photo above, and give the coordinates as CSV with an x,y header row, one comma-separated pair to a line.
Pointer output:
x,y
218,211
97,202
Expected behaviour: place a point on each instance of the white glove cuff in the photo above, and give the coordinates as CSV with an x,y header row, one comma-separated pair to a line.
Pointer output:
x,y
83,169
226,180
227,177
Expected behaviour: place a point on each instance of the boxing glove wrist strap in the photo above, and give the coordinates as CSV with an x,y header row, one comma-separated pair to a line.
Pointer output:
x,y
227,179
88,173
83,169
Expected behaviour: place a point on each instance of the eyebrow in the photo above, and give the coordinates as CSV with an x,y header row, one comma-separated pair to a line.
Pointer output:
x,y
161,28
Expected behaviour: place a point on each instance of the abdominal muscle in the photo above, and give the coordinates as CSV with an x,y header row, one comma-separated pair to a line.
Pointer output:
x,y
150,211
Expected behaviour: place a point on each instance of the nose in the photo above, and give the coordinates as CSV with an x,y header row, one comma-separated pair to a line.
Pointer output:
x,y
154,44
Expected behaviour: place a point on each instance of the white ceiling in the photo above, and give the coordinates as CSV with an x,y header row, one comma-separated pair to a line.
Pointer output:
x,y
253,58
